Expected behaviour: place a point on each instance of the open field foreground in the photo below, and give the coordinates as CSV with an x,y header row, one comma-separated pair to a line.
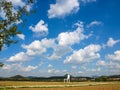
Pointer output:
x,y
17,85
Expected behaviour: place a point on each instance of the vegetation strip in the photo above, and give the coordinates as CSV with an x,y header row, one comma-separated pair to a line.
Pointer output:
x,y
51,86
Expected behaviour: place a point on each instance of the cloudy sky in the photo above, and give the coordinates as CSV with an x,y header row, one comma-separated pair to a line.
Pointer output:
x,y
80,37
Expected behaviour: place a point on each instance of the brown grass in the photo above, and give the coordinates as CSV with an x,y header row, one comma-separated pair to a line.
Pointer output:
x,y
23,85
97,87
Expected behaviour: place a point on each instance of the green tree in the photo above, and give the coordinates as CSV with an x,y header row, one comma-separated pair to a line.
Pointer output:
x,y
1,64
8,25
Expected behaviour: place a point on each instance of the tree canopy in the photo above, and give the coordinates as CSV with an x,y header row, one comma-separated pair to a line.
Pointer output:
x,y
1,64
8,24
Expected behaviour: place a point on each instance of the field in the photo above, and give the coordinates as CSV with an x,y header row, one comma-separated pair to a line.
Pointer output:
x,y
23,85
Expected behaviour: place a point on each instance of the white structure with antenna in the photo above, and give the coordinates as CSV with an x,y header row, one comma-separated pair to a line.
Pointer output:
x,y
67,79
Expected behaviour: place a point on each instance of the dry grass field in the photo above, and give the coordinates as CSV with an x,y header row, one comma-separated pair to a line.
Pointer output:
x,y
18,85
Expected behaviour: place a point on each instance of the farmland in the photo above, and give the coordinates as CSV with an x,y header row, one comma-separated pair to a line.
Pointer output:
x,y
24,85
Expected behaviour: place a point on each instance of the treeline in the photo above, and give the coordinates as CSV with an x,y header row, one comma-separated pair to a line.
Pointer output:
x,y
61,78
108,78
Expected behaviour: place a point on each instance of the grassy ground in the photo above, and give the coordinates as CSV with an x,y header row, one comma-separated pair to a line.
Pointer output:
x,y
97,87
23,85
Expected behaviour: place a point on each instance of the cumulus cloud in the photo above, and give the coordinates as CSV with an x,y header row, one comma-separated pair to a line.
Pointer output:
x,y
101,63
59,46
62,8
84,55
38,47
21,56
95,70
53,71
50,66
80,72
59,51
74,67
21,36
34,48
30,68
66,39
41,29
70,38
115,56
113,65
111,42
18,67
88,1
108,65
94,23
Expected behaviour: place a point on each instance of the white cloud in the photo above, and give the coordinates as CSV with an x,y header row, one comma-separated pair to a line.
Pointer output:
x,y
113,65
108,65
53,71
96,70
6,67
21,36
41,29
38,47
21,56
111,42
28,7
50,65
18,67
115,56
74,67
94,23
59,51
80,72
84,55
101,63
30,68
12,66
63,8
48,42
88,1
34,48
17,3
70,38
60,46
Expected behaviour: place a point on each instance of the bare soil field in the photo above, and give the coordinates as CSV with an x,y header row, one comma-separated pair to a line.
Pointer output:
x,y
23,85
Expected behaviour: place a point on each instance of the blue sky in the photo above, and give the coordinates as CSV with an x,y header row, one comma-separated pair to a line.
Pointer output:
x,y
80,37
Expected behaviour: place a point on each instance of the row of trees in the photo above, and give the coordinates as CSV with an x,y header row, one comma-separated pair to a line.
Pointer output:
x,y
8,25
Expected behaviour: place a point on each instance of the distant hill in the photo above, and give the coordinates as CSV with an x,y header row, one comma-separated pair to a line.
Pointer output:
x,y
17,76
